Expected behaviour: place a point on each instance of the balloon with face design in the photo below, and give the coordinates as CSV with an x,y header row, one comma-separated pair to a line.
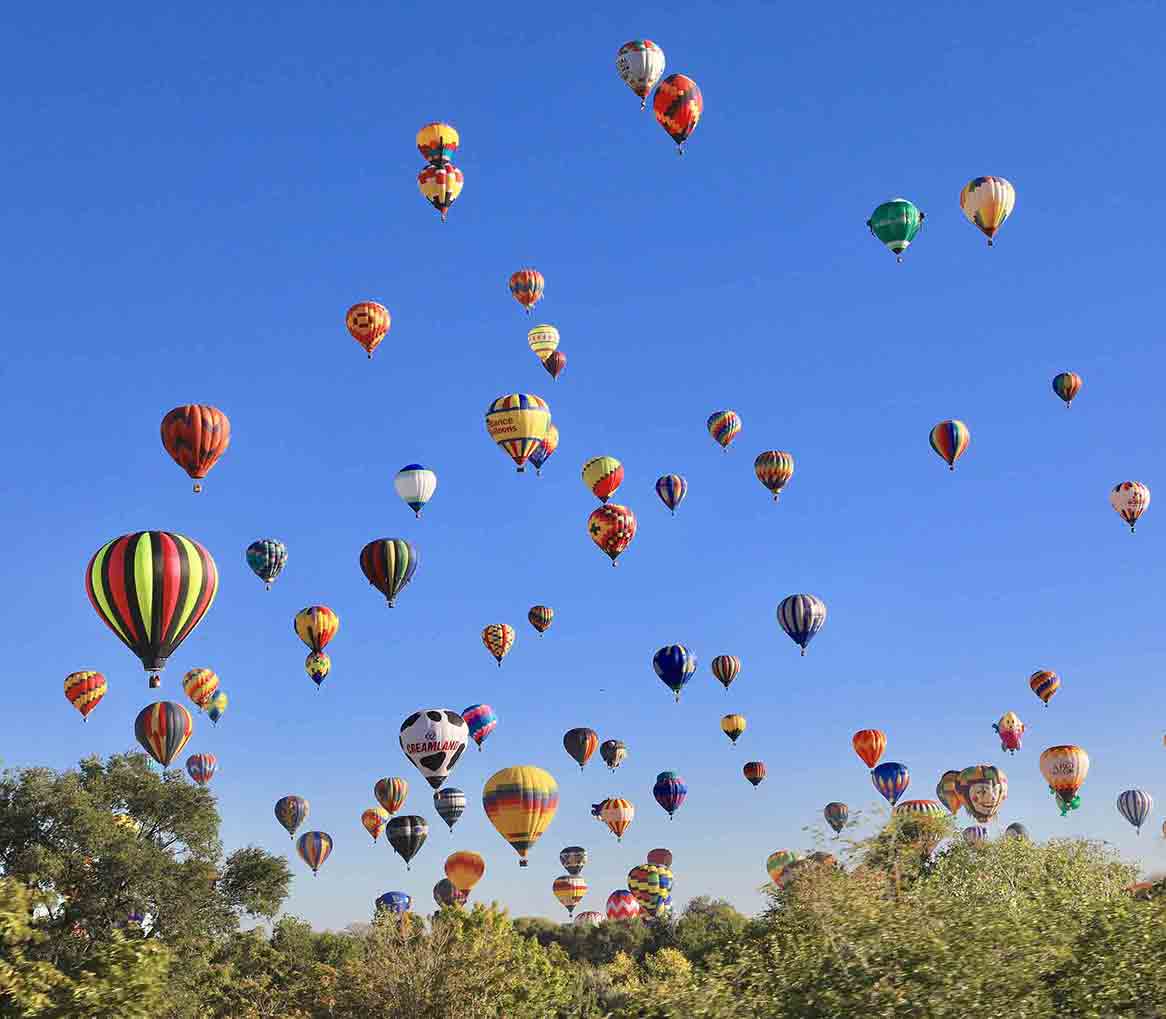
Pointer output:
x,y
983,789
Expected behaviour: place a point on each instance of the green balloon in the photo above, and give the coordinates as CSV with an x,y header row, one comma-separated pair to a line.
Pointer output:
x,y
896,223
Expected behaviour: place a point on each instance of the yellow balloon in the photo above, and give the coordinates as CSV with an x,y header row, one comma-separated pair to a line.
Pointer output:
x,y
521,803
518,423
603,475
543,340
987,202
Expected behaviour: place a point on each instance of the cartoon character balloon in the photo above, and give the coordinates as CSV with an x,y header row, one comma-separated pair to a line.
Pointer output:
x,y
983,788
1065,767
1010,729
434,739
640,64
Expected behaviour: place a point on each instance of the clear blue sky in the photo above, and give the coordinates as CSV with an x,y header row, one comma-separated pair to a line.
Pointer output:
x,y
192,200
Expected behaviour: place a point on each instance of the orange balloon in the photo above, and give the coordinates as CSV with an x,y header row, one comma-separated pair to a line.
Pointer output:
x,y
196,435
368,322
84,690
612,528
869,744
465,869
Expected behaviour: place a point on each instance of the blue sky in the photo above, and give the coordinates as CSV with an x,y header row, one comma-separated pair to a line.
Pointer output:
x,y
194,199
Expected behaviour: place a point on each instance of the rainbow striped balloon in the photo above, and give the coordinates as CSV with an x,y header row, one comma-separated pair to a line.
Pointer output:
x,y
521,803
950,440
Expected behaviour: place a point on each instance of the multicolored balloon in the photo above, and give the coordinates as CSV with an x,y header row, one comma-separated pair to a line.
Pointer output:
x,y
151,588
317,665
217,707
1067,385
543,341
391,793
291,812
983,789
670,791
541,617
316,626
777,862
950,440
618,814
499,639
527,287
517,423
521,803
947,789
896,224
573,859
1044,684
726,668
678,107
622,905
640,64
465,869
1135,806
374,820
314,848
589,918
200,686
869,744
434,739
1010,729
614,752
163,728
446,893
450,804
675,665
481,721
570,891
755,772
975,834
891,780
732,726
395,902
196,435
202,767
774,468
603,475
84,690
987,202
437,143
368,323
1130,500
836,815
671,488
647,885
802,616
920,808
415,486
267,558
612,527
407,834
724,426
388,565
441,186
581,744
542,452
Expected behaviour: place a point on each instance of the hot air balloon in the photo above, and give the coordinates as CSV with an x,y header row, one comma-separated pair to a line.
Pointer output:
x,y
640,64
527,287
267,558
726,668
441,186
947,789
434,740
374,821
1135,806
450,804
217,706
724,426
836,815
732,726
162,728
291,812
437,143
573,859
580,744
670,791
569,890
1044,684
777,862
391,793
317,665
517,423
646,885
920,808
1010,729
195,436
151,588
891,780
613,752
589,918
1017,831
987,202
200,686
407,834
801,616
84,690
675,665
314,848
543,340
499,639
389,564
316,626
678,106
202,767
950,440
774,468
542,452
1067,385
602,475
671,488
541,617
520,803
415,485
869,744
446,893
1130,499
465,869
661,857
481,720
368,323
618,814
755,772
612,528
983,789
622,905
395,902
975,834
896,223
555,363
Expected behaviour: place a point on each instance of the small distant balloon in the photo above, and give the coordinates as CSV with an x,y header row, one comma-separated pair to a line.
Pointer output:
x,y
724,426
1130,499
671,488
1067,385
950,440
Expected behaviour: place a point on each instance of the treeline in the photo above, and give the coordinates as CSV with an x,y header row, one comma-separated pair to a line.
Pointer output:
x,y
116,900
